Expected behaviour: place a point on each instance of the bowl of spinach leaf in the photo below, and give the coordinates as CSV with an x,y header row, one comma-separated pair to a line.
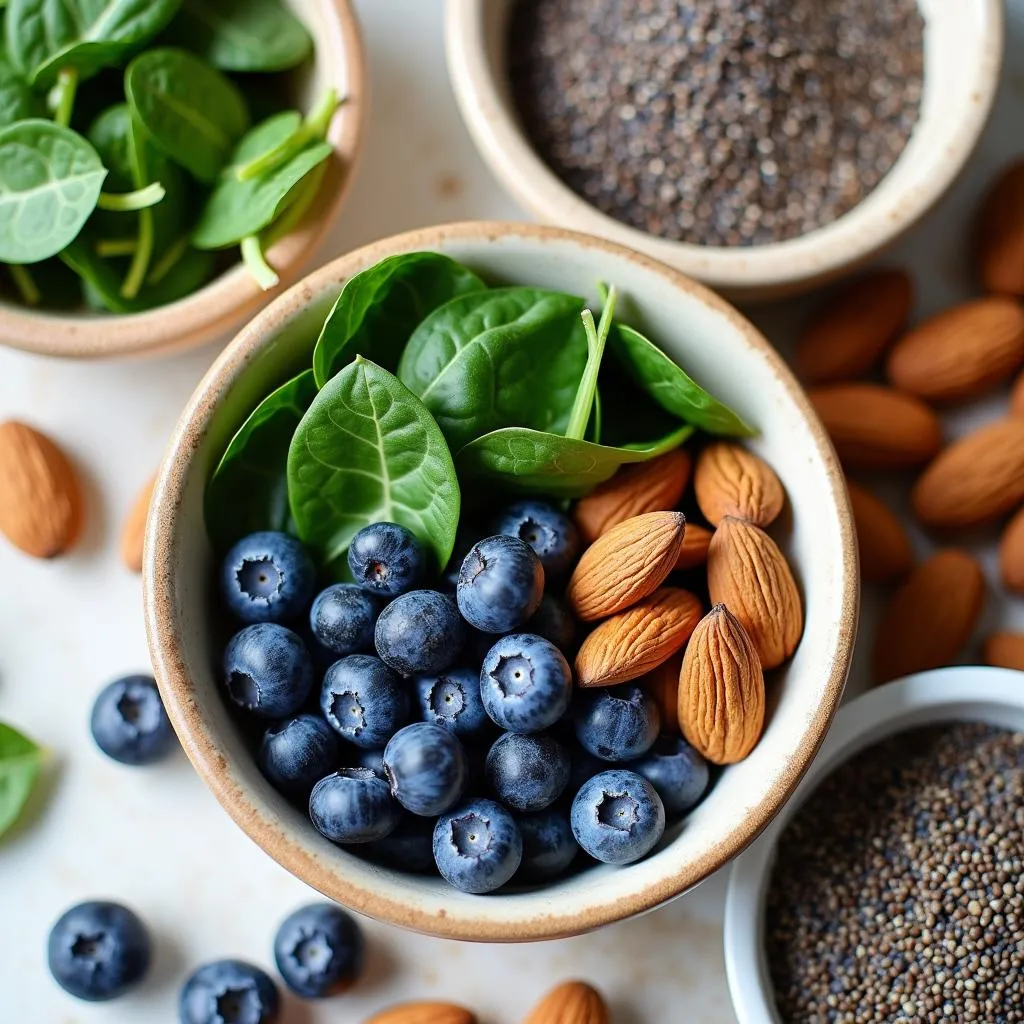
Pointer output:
x,y
419,378
166,165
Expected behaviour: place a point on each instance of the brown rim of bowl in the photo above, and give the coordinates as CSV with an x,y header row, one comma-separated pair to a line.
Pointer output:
x,y
229,300
202,748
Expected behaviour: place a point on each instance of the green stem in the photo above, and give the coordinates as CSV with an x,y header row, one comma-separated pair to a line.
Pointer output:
x,y
63,96
253,257
129,202
136,276
168,261
597,337
25,284
110,248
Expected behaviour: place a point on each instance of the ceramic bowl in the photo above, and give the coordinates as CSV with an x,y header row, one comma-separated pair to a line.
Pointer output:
x,y
223,305
722,351
964,46
992,695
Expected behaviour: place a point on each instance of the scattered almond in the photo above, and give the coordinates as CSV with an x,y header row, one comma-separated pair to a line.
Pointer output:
x,y
134,532
1001,234
424,1013
663,685
1017,397
694,551
730,481
1011,554
574,1002
1004,650
885,551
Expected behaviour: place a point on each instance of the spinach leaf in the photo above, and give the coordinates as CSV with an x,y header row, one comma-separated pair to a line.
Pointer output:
x,y
17,101
295,207
379,309
369,451
509,357
20,761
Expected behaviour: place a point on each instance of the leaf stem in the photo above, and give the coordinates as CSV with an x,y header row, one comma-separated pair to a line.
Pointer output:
x,y
136,276
169,260
109,248
597,337
129,202
25,284
253,257
63,96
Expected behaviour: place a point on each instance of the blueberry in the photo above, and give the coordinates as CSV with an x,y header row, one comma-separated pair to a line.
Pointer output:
x,y
98,951
549,846
420,633
364,701
372,759
452,700
677,772
268,670
527,773
550,533
386,559
501,583
617,817
583,766
129,723
409,848
525,683
267,577
353,805
229,992
342,619
617,724
426,766
319,951
477,847
555,622
296,753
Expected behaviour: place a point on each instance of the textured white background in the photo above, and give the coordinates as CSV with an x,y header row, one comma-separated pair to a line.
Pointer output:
x,y
155,838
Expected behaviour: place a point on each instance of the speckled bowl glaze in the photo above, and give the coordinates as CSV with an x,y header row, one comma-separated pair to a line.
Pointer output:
x,y
720,349
963,56
228,301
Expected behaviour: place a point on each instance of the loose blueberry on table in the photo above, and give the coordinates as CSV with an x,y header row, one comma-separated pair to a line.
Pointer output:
x,y
229,992
319,951
129,723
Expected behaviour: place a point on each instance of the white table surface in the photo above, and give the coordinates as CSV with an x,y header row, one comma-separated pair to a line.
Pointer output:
x,y
155,838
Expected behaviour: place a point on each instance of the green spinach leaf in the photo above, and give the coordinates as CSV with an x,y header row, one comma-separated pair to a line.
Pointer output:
x,y
17,100
20,761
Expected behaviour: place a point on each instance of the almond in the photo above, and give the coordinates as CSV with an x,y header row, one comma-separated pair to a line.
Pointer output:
x,y
975,480
654,486
961,353
1001,234
633,642
847,336
424,1013
134,530
1017,397
885,551
721,689
663,685
730,481
749,575
41,508
931,617
573,1002
1011,554
625,564
875,427
1004,650
694,551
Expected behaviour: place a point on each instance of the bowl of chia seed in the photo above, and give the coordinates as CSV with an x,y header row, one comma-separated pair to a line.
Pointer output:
x,y
761,147
892,885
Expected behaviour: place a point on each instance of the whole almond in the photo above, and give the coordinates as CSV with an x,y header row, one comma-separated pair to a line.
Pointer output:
x,y
1011,554
930,618
885,551
134,531
625,564
749,575
1001,234
662,683
846,337
694,552
424,1013
41,508
1004,650
721,689
730,481
1017,397
633,642
654,486
574,1002
975,480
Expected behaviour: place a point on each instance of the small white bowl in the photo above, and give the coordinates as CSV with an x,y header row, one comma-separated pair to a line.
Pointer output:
x,y
992,695
963,56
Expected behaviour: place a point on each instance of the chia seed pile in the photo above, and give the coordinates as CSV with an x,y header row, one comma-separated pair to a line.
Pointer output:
x,y
736,122
898,892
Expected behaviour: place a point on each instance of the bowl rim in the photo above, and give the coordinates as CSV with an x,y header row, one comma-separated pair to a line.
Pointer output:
x,y
202,747
756,271
224,303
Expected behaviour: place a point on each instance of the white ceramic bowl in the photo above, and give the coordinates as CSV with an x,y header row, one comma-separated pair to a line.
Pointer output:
x,y
992,695
721,350
964,48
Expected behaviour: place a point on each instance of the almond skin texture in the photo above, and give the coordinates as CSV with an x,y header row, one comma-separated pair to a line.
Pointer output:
x,y
573,1002
749,575
654,486
694,552
663,685
730,481
424,1013
1001,234
1004,650
885,551
41,507
1011,554
626,564
134,531
721,689
632,643
1017,397
975,480
848,335
931,617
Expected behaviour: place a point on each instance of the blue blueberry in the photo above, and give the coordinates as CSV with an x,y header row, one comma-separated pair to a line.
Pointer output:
x,y
364,701
229,992
409,848
342,619
527,773
677,772
353,805
617,817
426,766
268,670
452,700
386,559
267,577
129,723
319,951
617,724
525,683
555,622
477,847
500,585
583,766
550,533
549,846
98,951
296,753
420,633
372,759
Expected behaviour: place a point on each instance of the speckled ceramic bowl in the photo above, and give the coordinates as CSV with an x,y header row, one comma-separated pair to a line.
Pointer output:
x,y
223,305
720,349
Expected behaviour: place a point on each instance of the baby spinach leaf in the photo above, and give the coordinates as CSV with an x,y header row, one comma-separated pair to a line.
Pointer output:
x,y
369,451
17,101
20,761
379,309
